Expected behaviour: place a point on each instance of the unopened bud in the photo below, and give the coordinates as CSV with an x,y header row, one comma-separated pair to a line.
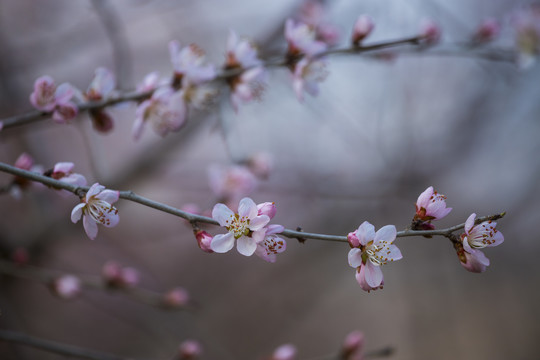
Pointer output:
x,y
353,343
353,239
204,240
430,32
487,31
190,350
102,121
176,298
118,276
284,352
362,28
66,286
268,209
20,256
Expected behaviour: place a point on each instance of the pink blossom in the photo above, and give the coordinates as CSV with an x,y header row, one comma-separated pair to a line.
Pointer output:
x,y
272,244
353,240
526,23
101,85
430,32
487,31
166,111
267,208
48,97
313,14
204,240
176,298
43,97
246,227
247,86
362,28
66,286
375,249
96,208
302,39
241,53
189,63
431,206
190,350
307,75
261,164
284,352
232,182
150,82
477,237
24,162
63,171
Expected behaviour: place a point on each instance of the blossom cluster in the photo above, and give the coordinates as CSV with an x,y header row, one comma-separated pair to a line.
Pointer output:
x,y
194,83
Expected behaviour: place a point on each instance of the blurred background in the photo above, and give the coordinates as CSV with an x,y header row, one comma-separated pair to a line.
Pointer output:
x,y
379,133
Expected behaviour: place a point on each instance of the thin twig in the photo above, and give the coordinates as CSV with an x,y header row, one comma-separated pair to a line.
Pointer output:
x,y
193,218
47,277
56,347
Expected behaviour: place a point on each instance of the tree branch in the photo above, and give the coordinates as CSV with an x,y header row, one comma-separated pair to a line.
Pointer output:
x,y
460,51
194,218
56,347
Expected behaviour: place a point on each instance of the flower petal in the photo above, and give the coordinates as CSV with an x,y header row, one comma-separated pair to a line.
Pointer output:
x,y
423,199
94,190
76,213
222,243
355,257
386,234
365,233
469,224
246,245
90,227
222,214
374,275
109,196
248,208
258,222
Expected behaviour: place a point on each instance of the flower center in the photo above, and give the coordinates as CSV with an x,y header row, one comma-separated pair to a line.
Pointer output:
x,y
239,226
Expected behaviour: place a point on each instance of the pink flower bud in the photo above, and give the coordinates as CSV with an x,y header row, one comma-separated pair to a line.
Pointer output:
x,y
268,209
66,286
129,277
353,344
362,28
353,239
487,31
24,161
176,298
189,350
430,32
204,240
118,276
284,352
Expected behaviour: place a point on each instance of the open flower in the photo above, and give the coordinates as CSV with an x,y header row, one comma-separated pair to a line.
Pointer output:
x,y
272,244
302,39
246,227
526,23
189,63
307,75
48,97
374,249
431,206
166,111
63,171
96,208
477,237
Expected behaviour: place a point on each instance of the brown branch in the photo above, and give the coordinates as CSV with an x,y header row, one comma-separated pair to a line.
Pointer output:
x,y
47,277
493,55
56,347
194,218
